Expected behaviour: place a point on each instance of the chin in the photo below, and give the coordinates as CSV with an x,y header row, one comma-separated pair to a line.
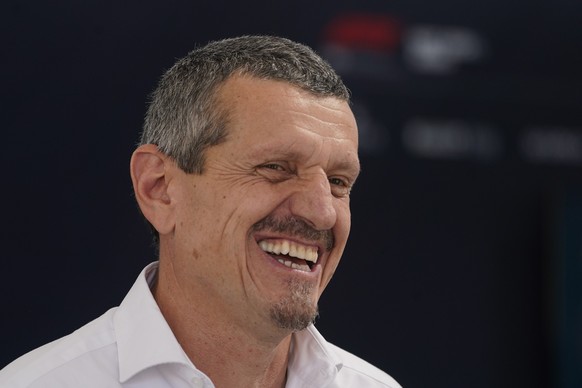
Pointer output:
x,y
297,310
289,320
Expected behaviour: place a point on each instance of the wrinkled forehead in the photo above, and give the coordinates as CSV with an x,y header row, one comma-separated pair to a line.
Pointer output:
x,y
268,104
279,121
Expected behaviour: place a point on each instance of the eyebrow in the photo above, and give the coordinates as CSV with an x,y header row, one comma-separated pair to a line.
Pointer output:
x,y
353,168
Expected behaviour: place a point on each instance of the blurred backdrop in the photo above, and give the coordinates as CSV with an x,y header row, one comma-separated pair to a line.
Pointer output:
x,y
464,267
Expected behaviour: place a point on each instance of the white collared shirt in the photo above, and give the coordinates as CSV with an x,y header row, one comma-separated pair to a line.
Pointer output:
x,y
133,346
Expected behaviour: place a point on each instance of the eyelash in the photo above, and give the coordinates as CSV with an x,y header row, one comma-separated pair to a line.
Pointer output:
x,y
338,181
274,166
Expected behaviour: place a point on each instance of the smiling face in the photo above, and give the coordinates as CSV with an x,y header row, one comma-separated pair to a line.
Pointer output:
x,y
258,235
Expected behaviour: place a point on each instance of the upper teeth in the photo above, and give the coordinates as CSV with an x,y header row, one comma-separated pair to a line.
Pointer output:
x,y
293,249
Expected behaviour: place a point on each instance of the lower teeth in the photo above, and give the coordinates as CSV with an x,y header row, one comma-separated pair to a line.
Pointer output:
x,y
290,264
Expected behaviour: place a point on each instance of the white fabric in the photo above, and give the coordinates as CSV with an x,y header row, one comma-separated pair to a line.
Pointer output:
x,y
133,346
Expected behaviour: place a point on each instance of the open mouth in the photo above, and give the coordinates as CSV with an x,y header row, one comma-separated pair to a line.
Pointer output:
x,y
291,254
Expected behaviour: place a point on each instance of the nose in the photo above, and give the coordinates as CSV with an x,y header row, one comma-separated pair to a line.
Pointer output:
x,y
313,202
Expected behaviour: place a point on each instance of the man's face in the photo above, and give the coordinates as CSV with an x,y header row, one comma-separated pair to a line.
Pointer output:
x,y
260,233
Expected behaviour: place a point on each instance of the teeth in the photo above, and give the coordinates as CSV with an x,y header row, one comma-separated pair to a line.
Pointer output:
x,y
286,247
290,264
312,255
301,252
275,248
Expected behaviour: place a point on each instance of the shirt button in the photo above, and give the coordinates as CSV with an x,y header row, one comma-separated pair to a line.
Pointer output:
x,y
197,382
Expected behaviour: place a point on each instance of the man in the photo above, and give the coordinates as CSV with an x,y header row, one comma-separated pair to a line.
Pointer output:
x,y
244,171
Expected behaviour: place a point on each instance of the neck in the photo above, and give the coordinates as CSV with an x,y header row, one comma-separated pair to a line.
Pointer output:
x,y
230,355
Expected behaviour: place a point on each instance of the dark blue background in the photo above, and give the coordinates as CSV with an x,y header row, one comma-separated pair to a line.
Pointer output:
x,y
452,276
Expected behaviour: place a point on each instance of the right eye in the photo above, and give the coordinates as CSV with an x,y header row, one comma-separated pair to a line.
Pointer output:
x,y
275,171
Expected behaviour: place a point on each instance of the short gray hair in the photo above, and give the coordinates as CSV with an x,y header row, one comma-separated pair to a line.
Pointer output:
x,y
184,118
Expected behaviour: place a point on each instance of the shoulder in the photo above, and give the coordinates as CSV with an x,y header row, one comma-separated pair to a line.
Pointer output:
x,y
355,372
68,356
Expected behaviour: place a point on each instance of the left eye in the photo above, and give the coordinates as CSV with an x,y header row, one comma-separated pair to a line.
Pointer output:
x,y
337,182
339,187
274,166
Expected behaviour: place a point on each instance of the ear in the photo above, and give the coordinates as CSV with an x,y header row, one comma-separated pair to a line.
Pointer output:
x,y
149,175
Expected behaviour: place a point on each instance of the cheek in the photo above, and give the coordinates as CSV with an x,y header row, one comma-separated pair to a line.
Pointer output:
x,y
201,216
343,224
341,232
265,200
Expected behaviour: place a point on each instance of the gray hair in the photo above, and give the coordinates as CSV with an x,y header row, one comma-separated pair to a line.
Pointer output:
x,y
184,118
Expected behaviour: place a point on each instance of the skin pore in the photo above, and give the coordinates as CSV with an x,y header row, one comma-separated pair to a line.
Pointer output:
x,y
281,177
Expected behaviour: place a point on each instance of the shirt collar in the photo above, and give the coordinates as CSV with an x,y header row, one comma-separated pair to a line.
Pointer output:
x,y
144,338
312,362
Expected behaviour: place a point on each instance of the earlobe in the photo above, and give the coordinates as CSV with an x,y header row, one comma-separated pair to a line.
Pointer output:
x,y
149,175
